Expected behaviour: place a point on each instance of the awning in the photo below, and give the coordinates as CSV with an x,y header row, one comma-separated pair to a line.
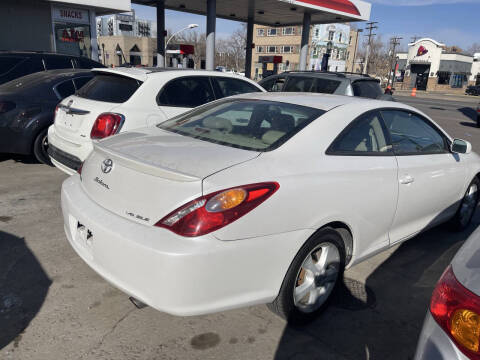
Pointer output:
x,y
453,66
276,12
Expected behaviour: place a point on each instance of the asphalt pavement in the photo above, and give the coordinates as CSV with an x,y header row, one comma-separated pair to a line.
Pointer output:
x,y
53,306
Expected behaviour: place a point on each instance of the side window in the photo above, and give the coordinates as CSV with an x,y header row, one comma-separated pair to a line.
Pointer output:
x,y
186,92
299,84
230,87
25,67
8,63
278,84
364,136
80,81
57,62
65,89
84,63
274,85
367,89
325,86
412,134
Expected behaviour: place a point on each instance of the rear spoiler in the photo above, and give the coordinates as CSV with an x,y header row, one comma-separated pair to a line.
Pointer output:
x,y
133,73
142,166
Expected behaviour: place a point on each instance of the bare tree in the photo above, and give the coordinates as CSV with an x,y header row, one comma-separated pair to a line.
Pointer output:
x,y
378,62
475,48
454,49
231,51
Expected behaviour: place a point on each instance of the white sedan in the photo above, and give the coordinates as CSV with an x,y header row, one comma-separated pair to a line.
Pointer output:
x,y
263,198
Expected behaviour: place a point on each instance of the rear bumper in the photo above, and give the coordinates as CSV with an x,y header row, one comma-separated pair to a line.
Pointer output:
x,y
69,163
434,344
177,275
65,155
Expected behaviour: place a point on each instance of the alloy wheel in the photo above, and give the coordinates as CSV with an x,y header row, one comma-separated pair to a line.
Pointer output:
x,y
316,278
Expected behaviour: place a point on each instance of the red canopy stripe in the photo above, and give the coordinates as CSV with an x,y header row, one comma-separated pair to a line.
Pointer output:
x,y
338,5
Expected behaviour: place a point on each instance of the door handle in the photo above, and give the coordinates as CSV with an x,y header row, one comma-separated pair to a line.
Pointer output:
x,y
407,179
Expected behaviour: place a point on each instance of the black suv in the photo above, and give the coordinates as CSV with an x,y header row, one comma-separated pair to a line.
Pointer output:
x,y
327,83
16,64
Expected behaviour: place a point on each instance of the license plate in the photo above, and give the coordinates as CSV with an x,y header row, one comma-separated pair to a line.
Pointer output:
x,y
83,235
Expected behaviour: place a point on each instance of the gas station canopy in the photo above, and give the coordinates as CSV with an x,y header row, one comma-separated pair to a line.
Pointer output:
x,y
264,12
276,12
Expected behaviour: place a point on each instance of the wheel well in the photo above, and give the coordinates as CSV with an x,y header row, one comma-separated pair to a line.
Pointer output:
x,y
346,235
36,134
478,176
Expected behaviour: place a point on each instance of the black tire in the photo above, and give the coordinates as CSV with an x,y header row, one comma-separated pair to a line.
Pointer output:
x,y
40,146
461,221
478,120
284,304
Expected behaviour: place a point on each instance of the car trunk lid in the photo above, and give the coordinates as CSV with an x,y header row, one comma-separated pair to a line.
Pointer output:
x,y
104,93
75,117
146,174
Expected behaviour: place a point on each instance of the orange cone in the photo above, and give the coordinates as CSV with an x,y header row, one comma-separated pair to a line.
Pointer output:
x,y
414,92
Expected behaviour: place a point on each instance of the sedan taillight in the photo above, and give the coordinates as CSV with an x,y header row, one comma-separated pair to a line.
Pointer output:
x,y
457,310
105,125
216,210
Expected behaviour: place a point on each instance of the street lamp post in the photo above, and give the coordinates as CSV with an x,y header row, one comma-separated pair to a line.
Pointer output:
x,y
191,26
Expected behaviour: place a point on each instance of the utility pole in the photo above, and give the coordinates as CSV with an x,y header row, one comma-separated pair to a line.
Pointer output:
x,y
370,26
394,43
356,48
414,38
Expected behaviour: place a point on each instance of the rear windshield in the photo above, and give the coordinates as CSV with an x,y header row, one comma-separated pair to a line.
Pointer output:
x,y
246,124
368,89
109,88
311,84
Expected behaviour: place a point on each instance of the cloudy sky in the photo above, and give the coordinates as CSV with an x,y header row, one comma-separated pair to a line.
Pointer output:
x,y
453,22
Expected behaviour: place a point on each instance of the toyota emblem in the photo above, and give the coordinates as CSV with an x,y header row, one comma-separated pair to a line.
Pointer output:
x,y
107,166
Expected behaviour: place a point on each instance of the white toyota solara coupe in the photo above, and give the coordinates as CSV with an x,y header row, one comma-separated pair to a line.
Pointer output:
x,y
263,198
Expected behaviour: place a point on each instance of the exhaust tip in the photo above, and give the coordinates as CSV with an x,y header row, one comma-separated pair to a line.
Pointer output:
x,y
138,304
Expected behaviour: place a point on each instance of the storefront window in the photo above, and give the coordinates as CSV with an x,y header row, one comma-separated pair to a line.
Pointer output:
x,y
72,31
443,78
457,80
73,39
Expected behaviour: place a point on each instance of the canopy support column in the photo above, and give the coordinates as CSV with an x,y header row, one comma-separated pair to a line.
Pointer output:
x,y
160,33
248,52
211,22
305,37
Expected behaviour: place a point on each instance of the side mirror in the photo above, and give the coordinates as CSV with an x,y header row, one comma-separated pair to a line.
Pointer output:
x,y
460,146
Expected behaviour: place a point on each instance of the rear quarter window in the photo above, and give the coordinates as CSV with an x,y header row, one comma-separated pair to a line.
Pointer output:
x,y
109,88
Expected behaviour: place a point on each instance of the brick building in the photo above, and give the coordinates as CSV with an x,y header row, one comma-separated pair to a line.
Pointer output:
x,y
276,41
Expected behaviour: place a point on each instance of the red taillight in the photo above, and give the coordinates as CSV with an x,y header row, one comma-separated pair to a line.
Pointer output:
x,y
107,124
212,212
56,110
457,310
79,170
6,106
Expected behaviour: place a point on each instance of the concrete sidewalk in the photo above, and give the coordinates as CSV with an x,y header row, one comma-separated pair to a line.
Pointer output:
x,y
438,95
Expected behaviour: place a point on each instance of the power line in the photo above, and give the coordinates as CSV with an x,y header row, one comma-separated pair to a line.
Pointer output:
x,y
370,27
